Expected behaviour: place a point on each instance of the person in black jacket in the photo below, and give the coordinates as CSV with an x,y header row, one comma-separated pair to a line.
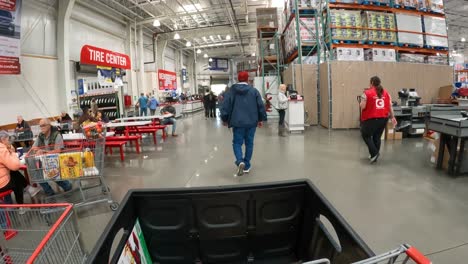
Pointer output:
x,y
212,99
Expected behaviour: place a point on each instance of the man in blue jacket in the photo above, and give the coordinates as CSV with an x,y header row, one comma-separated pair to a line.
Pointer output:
x,y
243,110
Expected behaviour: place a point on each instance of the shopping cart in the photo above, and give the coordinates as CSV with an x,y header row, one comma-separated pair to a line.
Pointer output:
x,y
80,162
45,233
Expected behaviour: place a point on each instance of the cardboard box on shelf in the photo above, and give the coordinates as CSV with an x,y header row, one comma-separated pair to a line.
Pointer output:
x,y
413,58
437,26
380,55
349,54
381,26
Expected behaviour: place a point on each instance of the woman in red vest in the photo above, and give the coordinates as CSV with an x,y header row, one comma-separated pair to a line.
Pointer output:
x,y
376,107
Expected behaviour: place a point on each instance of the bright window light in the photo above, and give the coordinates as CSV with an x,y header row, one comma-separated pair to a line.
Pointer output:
x,y
188,44
277,3
198,51
176,36
156,23
228,37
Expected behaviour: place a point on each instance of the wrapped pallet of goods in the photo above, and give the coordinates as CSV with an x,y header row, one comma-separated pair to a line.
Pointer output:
x,y
406,24
378,54
376,2
381,27
436,32
412,4
308,32
267,17
413,58
346,25
439,60
436,6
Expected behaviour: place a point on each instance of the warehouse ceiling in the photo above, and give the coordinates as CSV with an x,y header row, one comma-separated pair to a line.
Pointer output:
x,y
206,24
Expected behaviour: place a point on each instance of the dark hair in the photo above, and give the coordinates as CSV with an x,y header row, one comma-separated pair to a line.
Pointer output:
x,y
375,81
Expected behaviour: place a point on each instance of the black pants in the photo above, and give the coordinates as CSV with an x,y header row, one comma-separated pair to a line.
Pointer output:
x,y
282,114
207,111
17,184
371,131
213,111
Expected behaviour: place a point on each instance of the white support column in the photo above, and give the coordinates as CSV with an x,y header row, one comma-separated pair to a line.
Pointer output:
x,y
141,62
132,88
63,53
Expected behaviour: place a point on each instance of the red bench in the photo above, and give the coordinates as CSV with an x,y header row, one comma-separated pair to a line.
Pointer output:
x,y
145,130
116,144
128,138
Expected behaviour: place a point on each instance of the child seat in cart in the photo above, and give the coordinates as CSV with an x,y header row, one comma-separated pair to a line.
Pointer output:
x,y
275,223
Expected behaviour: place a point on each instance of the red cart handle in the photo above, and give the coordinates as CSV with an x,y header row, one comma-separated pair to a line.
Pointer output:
x,y
417,256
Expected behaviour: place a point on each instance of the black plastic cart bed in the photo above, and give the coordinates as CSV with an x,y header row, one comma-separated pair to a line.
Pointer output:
x,y
268,223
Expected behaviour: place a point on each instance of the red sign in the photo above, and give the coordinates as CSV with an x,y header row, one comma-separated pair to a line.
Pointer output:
x,y
8,5
9,65
167,80
102,57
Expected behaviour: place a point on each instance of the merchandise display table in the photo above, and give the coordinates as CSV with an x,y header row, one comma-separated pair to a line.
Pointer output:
x,y
294,119
128,124
454,133
140,118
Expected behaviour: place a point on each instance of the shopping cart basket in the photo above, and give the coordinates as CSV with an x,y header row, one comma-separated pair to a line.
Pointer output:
x,y
45,233
80,162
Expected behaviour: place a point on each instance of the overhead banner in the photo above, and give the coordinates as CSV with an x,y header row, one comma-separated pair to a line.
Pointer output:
x,y
102,57
10,33
167,80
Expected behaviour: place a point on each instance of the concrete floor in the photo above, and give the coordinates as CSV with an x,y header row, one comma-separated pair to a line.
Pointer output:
x,y
401,199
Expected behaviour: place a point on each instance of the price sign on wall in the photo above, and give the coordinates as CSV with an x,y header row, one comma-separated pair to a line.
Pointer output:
x,y
167,80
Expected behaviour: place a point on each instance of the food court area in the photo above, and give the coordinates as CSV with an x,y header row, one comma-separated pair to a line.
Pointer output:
x,y
117,135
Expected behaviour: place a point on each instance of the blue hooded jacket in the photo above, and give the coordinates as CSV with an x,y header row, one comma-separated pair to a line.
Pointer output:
x,y
243,106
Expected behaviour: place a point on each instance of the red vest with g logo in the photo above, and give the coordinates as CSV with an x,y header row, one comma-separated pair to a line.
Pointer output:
x,y
376,107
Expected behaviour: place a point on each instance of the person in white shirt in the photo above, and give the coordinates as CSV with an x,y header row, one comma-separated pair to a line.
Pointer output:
x,y
282,106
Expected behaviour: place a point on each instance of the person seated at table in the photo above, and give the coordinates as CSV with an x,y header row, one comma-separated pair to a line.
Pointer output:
x,y
10,177
64,118
87,116
23,130
102,117
50,141
170,120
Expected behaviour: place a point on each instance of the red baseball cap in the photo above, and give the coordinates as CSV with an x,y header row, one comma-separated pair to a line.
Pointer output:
x,y
243,76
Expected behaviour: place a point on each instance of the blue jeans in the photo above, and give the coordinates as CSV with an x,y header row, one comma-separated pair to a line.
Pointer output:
x,y
170,121
66,186
243,136
143,111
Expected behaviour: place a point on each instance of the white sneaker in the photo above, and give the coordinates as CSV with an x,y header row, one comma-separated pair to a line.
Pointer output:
x,y
33,191
240,169
247,171
22,210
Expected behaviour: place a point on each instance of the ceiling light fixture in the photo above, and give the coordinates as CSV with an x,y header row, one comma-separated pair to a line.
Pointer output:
x,y
253,54
210,59
176,36
156,23
228,37
188,44
204,38
219,36
205,56
463,39
198,51
211,37
175,26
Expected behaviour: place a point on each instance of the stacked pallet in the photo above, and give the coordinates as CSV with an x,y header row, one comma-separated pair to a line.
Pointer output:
x,y
346,25
410,30
308,32
436,32
380,27
267,18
